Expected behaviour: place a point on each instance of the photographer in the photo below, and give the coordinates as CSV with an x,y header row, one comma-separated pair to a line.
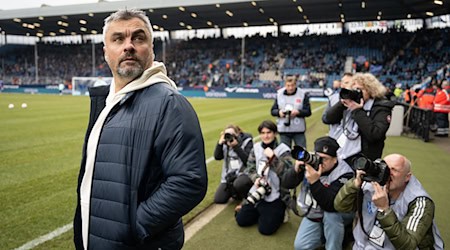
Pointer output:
x,y
363,115
266,163
333,98
321,180
233,147
398,215
291,107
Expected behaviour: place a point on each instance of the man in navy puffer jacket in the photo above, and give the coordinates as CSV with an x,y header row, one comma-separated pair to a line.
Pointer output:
x,y
143,164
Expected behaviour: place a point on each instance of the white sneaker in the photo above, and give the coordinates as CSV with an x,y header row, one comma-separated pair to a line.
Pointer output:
x,y
286,216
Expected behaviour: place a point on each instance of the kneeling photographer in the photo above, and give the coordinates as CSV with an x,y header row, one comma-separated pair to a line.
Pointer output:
x,y
267,162
321,176
394,210
233,148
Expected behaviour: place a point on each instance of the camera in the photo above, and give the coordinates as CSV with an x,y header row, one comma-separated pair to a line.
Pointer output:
x,y
263,190
377,170
351,94
229,137
299,153
230,178
287,113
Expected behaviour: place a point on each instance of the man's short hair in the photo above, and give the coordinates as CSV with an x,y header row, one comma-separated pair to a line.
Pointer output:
x,y
347,74
125,14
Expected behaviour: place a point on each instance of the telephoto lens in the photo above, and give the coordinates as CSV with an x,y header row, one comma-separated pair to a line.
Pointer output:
x,y
260,192
300,154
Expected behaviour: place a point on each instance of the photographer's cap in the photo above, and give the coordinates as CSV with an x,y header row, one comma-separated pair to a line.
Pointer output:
x,y
326,145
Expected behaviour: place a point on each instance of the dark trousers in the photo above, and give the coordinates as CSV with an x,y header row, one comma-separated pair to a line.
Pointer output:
x,y
442,124
238,189
268,215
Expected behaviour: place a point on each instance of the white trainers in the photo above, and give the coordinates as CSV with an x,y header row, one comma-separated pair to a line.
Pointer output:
x,y
286,216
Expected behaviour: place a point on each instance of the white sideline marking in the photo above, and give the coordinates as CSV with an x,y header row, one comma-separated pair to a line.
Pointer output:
x,y
196,225
44,238
200,221
63,229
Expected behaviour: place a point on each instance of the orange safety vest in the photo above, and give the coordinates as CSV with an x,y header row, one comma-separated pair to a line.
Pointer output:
x,y
426,98
442,101
408,96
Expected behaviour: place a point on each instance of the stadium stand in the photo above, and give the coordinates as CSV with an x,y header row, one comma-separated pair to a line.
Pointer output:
x,y
395,57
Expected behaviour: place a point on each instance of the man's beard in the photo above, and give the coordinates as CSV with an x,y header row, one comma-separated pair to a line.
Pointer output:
x,y
130,71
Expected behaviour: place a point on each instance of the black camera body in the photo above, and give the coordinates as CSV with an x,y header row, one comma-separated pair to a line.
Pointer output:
x,y
300,154
263,190
287,113
230,178
351,94
377,170
229,137
287,122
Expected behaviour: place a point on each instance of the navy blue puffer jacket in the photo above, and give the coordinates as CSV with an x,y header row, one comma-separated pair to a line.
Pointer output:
x,y
149,171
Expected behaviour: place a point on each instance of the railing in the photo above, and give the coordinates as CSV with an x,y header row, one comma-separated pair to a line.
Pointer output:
x,y
417,121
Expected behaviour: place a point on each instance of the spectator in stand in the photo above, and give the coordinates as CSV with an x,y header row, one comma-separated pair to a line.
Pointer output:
x,y
442,109
291,106
233,148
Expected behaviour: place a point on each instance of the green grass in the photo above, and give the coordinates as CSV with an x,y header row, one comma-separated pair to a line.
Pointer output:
x,y
40,152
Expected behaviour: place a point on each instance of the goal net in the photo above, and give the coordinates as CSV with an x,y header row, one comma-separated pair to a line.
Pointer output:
x,y
80,85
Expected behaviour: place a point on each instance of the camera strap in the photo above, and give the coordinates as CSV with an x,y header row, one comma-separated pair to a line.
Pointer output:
x,y
295,210
267,165
227,157
359,202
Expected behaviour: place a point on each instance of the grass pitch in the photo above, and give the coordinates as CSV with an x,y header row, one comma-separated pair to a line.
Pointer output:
x,y
40,152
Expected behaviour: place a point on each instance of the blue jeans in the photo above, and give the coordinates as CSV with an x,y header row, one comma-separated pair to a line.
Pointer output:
x,y
330,230
298,138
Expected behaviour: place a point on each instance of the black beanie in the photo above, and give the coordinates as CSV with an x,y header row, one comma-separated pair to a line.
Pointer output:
x,y
326,145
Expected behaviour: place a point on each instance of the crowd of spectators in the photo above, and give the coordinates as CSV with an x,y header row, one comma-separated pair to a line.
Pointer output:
x,y
395,57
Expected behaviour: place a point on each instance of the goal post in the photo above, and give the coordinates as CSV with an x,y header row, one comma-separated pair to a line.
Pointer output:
x,y
80,85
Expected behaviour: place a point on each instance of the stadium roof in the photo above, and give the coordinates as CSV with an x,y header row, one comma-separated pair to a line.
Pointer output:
x,y
199,14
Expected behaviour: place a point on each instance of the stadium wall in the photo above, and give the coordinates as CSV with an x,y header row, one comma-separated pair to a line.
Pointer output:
x,y
201,92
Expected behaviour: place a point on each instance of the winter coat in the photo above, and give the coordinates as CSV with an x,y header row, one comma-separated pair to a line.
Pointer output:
x,y
149,171
373,124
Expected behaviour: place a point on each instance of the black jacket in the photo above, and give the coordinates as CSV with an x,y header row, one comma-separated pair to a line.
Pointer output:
x,y
149,171
243,153
372,127
324,195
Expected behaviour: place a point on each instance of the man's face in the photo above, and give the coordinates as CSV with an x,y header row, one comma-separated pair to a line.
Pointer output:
x,y
267,135
128,48
328,161
346,82
399,174
290,84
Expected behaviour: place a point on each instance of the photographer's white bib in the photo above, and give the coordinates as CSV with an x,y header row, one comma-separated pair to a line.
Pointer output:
x,y
297,124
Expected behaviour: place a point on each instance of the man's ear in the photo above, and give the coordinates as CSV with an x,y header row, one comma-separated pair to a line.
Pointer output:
x,y
408,176
104,54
